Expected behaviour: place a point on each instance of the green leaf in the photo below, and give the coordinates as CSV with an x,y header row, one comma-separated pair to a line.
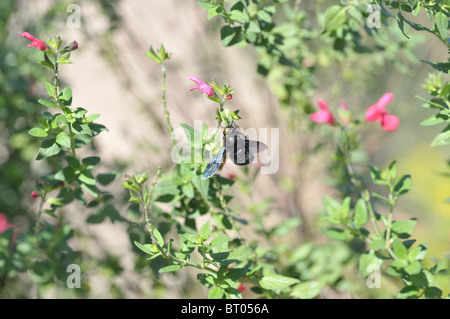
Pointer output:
x,y
205,231
168,186
399,249
220,242
441,22
87,178
188,190
158,237
81,128
433,120
90,161
66,94
414,268
50,89
403,185
404,228
334,233
48,103
91,118
147,248
442,138
48,148
215,293
63,139
240,16
46,62
334,18
37,132
230,35
97,217
170,268
361,215
91,189
418,253
264,16
202,185
408,291
106,178
307,290
367,263
214,11
274,281
333,209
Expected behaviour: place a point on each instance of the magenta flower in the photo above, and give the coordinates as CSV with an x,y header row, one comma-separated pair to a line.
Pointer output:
x,y
39,44
389,122
324,115
377,112
203,87
4,225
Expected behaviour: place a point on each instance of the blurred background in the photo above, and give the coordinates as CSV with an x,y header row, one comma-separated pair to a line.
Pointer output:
x,y
112,76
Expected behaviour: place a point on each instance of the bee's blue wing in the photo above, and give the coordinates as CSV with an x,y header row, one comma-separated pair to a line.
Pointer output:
x,y
215,164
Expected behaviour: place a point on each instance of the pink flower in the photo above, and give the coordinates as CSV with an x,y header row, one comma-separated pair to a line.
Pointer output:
x,y
229,97
241,287
34,195
389,122
39,44
324,115
4,225
203,87
377,112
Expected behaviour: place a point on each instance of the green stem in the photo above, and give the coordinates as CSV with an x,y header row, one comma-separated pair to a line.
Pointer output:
x,y
39,214
166,112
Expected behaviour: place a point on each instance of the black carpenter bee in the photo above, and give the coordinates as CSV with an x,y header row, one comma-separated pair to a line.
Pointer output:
x,y
240,150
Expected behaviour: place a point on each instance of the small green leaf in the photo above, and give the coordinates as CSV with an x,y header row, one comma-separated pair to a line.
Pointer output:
x,y
414,268
170,268
441,22
442,138
205,231
307,290
334,18
158,237
188,190
361,215
90,161
202,185
91,118
368,262
167,187
87,178
215,293
50,89
147,248
274,281
399,249
404,228
65,94
48,148
48,103
63,139
106,178
403,185
334,233
408,291
37,132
